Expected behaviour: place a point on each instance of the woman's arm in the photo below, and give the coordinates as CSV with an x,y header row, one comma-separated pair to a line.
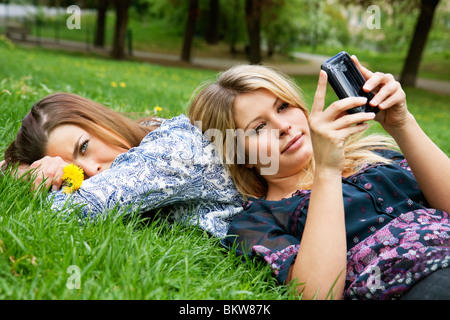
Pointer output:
x,y
321,261
430,165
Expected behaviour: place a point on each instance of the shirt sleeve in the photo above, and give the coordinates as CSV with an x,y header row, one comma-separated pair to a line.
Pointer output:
x,y
166,168
260,234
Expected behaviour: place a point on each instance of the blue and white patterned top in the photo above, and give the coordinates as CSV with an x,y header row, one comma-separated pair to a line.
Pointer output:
x,y
176,168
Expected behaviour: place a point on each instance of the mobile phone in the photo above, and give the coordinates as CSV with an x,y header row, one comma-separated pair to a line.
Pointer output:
x,y
347,81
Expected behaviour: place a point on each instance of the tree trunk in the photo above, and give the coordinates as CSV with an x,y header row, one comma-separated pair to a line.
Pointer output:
x,y
120,33
190,30
212,34
423,26
253,21
102,8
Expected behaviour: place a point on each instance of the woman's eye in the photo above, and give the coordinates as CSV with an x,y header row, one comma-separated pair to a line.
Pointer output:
x,y
83,146
283,106
259,127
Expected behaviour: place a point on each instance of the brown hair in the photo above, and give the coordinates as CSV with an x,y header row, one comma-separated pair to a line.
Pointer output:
x,y
67,108
213,106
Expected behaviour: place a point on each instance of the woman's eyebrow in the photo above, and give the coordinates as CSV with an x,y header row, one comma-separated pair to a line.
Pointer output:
x,y
248,125
77,148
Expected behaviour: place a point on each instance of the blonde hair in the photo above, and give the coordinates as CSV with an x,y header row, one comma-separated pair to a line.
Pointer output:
x,y
212,106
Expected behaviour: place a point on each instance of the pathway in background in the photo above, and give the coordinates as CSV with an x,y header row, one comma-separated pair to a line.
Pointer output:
x,y
310,65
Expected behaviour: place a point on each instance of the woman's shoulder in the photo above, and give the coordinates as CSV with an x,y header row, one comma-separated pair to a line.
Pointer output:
x,y
152,122
176,121
175,128
176,140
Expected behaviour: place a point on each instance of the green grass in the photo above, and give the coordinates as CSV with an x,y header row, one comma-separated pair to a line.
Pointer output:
x,y
124,259
117,259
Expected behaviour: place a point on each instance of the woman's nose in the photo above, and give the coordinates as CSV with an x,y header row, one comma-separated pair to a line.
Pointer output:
x,y
282,126
91,169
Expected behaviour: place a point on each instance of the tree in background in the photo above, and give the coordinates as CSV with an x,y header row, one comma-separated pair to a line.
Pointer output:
x,y
232,24
120,30
102,7
193,11
280,25
418,42
249,23
253,9
212,31
419,37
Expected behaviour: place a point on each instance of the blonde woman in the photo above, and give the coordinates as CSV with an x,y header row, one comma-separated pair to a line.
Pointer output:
x,y
342,216
144,167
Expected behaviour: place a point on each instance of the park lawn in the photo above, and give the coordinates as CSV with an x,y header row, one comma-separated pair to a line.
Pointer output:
x,y
117,258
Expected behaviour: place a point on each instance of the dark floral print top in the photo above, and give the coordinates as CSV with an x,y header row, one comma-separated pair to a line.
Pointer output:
x,y
393,238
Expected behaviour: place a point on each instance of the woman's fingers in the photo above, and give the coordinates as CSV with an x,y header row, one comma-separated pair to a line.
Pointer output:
x,y
365,72
319,96
350,120
338,108
48,172
335,123
390,91
54,174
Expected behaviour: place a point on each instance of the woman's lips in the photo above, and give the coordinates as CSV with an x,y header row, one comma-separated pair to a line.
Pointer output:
x,y
293,144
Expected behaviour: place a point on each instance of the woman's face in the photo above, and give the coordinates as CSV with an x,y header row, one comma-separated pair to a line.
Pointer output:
x,y
278,131
75,145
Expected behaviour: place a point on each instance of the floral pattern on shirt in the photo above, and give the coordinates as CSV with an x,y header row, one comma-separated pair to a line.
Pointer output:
x,y
386,264
392,234
277,258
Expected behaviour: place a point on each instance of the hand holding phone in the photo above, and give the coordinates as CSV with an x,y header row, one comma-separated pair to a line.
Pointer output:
x,y
347,81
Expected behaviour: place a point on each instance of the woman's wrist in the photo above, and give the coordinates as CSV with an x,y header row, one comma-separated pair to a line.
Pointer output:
x,y
401,129
324,171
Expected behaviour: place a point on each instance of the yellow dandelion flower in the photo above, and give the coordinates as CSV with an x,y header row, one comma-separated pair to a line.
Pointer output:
x,y
114,84
73,178
122,84
157,109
